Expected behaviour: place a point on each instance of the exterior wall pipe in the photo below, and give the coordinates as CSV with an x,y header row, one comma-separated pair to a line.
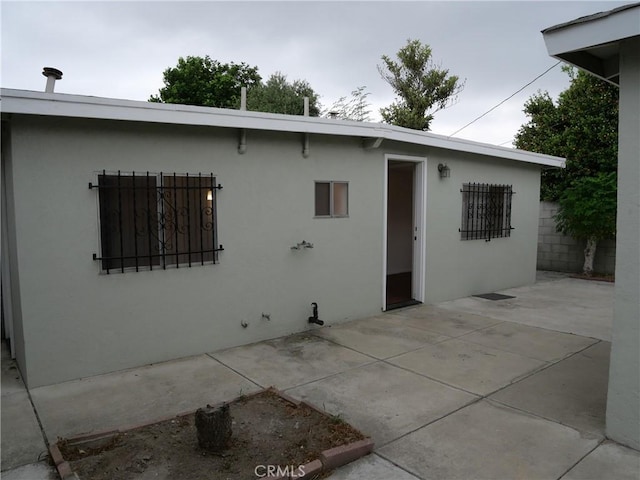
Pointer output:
x,y
305,146
305,142
242,141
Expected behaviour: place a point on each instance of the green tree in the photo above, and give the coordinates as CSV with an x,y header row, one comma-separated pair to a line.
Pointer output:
x,y
277,95
355,108
422,87
206,82
582,127
588,211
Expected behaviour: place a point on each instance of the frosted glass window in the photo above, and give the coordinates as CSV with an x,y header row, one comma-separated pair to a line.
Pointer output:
x,y
340,199
331,199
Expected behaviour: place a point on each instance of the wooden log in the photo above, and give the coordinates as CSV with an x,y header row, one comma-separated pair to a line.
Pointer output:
x,y
214,427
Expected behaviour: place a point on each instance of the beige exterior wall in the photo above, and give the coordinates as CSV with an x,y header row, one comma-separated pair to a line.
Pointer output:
x,y
623,400
458,268
78,322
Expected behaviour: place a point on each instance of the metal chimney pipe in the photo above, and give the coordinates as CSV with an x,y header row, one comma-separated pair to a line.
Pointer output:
x,y
243,98
52,75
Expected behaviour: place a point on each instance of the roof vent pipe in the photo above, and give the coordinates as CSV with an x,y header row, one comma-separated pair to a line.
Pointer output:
x,y
52,75
243,98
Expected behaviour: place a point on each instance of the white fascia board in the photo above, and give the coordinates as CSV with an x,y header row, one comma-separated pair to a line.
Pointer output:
x,y
77,106
448,143
599,31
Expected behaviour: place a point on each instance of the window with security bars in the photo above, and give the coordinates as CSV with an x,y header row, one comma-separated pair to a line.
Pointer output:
x,y
486,211
152,221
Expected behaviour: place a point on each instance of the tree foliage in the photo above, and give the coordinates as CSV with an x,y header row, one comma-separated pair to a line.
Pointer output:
x,y
206,82
277,95
582,127
588,207
423,88
357,107
588,211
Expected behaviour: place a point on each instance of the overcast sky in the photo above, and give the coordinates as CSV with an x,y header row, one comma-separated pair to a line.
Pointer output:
x,y
120,49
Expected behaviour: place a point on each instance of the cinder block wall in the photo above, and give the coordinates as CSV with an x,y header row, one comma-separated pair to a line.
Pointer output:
x,y
560,253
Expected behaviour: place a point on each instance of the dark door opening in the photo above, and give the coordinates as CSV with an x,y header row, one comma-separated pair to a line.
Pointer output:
x,y
400,234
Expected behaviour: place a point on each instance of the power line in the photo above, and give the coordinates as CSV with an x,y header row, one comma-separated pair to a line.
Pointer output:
x,y
506,99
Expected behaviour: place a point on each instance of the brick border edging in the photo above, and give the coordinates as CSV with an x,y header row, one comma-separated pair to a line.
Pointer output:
x,y
330,459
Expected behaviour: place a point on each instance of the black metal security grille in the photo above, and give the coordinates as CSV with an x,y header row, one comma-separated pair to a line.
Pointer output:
x,y
486,211
157,220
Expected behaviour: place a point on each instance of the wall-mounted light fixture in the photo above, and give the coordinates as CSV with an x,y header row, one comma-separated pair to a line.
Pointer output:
x,y
210,196
444,170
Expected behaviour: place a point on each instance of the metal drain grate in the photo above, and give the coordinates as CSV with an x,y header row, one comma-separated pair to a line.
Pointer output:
x,y
494,296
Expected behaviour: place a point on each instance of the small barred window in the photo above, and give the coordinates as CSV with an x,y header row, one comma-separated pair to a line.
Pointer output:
x,y
486,211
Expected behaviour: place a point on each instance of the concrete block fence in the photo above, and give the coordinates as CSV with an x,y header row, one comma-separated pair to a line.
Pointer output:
x,y
560,253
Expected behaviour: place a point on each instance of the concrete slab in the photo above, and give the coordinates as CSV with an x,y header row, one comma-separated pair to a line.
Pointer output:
x,y
444,321
134,396
33,471
609,460
289,361
22,441
380,337
382,400
569,305
469,366
572,392
532,342
488,441
371,467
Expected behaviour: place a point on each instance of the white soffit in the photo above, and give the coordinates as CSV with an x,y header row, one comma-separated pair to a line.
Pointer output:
x,y
76,106
592,42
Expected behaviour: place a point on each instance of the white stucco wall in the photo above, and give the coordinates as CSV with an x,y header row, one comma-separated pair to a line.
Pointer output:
x,y
78,322
623,401
456,268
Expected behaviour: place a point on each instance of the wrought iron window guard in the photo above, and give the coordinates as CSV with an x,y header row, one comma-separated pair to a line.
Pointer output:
x,y
156,220
486,211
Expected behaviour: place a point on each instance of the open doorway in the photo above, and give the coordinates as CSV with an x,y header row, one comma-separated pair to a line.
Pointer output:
x,y
404,238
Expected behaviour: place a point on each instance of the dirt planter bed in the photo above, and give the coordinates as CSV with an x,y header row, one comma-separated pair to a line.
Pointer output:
x,y
274,436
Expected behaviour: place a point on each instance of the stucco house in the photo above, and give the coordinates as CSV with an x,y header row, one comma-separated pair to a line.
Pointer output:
x,y
135,232
607,45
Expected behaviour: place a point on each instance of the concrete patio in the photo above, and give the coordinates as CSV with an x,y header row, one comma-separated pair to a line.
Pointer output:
x,y
468,389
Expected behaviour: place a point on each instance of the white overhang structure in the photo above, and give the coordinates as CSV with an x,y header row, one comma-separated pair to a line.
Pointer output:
x,y
592,43
607,45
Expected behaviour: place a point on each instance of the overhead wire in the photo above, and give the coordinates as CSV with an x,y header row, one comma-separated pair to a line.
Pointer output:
x,y
506,99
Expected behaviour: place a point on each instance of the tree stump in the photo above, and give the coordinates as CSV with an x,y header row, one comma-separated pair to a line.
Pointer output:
x,y
214,427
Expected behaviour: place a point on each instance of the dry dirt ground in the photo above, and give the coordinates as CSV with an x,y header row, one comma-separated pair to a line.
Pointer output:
x,y
267,430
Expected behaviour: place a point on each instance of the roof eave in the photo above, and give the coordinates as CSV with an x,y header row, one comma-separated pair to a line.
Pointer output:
x,y
76,106
581,42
